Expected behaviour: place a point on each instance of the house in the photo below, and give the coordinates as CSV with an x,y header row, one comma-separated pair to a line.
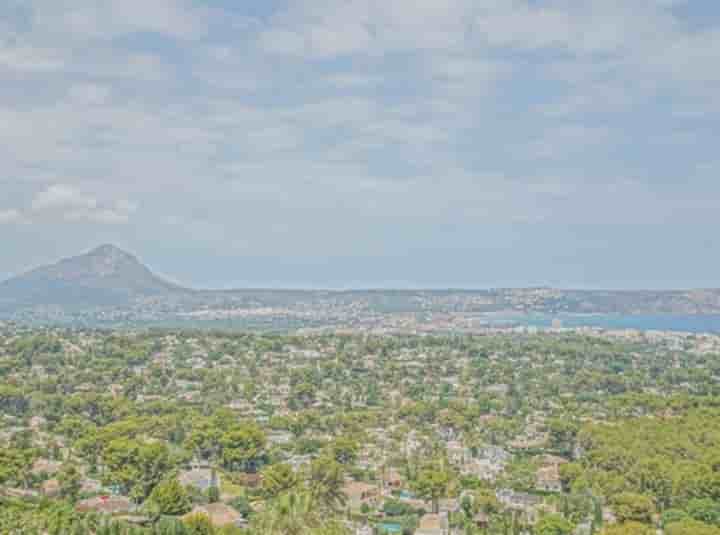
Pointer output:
x,y
482,520
548,479
457,453
552,460
199,478
498,389
494,454
548,475
187,385
363,530
90,486
608,516
110,505
45,466
18,493
483,469
359,493
392,479
279,437
241,405
36,422
449,505
50,488
219,514
250,480
298,462
583,529
418,505
517,500
433,524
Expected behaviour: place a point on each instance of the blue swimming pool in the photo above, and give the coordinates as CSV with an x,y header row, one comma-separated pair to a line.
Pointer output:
x,y
390,527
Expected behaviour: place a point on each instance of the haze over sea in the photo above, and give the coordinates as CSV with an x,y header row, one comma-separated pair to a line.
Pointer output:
x,y
682,323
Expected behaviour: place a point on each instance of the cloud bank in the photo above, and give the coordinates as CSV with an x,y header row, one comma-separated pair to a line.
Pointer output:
x,y
362,141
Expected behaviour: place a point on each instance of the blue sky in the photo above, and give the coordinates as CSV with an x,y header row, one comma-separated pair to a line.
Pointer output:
x,y
328,143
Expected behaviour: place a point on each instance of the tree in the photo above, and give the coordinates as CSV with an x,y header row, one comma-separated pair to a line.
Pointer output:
x,y
296,513
467,505
431,484
486,501
12,400
277,479
325,481
554,524
198,524
562,433
569,473
15,465
673,515
170,498
302,395
344,450
628,528
213,494
633,507
653,476
243,447
242,506
70,482
704,510
136,466
169,526
204,440
691,527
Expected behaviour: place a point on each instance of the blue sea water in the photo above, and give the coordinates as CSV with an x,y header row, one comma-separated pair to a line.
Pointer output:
x,y
690,323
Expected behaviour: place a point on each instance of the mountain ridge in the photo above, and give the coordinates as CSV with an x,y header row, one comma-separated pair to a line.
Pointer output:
x,y
108,277
103,276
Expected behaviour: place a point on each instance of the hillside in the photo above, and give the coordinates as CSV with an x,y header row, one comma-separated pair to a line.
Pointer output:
x,y
105,276
110,284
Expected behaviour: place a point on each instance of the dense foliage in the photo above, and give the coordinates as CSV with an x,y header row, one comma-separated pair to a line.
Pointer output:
x,y
324,434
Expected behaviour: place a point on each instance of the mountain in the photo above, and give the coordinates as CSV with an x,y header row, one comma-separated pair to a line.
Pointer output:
x,y
108,284
105,276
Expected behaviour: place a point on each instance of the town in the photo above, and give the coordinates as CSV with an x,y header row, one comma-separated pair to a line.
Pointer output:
x,y
553,431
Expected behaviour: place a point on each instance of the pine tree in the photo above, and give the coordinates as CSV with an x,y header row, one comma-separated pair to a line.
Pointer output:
x,y
170,498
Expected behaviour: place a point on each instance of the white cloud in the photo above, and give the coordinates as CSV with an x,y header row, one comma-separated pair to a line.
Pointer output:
x,y
357,112
61,196
279,41
326,28
68,203
329,41
107,19
567,140
350,80
116,215
10,216
30,59
92,94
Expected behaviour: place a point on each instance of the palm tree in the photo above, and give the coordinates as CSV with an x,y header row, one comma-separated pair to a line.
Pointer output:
x,y
290,514
326,482
169,526
296,513
277,479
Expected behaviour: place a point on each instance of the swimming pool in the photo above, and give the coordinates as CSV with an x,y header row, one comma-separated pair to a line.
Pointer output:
x,y
390,527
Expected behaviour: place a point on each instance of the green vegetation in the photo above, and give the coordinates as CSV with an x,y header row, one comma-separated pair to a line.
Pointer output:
x,y
216,433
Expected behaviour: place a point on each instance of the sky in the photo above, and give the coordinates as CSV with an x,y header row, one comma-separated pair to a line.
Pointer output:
x,y
366,143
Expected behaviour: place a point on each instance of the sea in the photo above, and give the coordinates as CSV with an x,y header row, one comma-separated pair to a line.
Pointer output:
x,y
696,324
